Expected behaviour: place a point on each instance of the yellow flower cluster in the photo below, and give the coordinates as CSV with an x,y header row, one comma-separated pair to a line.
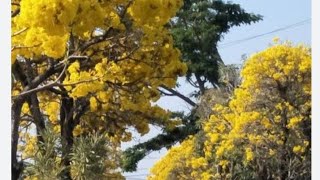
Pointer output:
x,y
30,148
154,12
181,162
48,24
268,114
129,86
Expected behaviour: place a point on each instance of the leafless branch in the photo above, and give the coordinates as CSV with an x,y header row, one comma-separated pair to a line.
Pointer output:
x,y
45,86
183,97
96,40
164,93
19,32
23,47
16,12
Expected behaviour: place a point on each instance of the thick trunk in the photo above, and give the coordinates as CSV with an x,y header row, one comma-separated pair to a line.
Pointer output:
x,y
16,167
67,126
29,82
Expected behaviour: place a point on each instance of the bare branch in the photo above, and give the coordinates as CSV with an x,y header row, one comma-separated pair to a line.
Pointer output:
x,y
23,47
71,58
183,97
15,4
19,32
96,40
45,86
16,12
164,93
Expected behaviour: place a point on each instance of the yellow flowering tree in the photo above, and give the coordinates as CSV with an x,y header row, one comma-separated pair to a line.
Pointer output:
x,y
182,162
88,66
264,131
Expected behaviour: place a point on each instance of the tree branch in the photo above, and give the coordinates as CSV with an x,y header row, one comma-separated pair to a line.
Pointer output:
x,y
16,12
176,93
47,86
96,40
19,32
16,168
164,93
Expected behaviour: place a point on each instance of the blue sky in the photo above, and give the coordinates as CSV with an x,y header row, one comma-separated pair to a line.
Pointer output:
x,y
276,14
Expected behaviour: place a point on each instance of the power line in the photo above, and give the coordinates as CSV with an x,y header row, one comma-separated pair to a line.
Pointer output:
x,y
276,30
267,33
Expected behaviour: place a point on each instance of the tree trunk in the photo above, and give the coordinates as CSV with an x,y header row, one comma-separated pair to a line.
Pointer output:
x,y
67,126
16,167
200,83
37,115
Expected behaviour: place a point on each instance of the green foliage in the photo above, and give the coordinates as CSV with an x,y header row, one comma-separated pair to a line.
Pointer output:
x,y
46,163
167,139
93,157
131,157
197,29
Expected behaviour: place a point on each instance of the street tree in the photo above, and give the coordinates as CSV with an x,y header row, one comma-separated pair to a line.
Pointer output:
x,y
263,132
85,67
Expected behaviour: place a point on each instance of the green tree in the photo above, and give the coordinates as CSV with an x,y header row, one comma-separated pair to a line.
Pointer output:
x,y
197,28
